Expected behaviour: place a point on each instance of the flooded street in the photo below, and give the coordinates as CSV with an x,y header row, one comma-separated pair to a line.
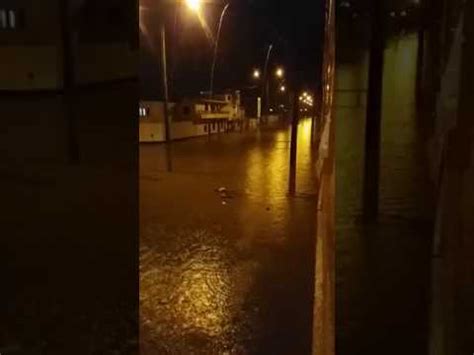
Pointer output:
x,y
229,271
383,268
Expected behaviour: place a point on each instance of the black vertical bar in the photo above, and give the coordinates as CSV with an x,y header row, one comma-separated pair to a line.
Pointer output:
x,y
374,113
293,143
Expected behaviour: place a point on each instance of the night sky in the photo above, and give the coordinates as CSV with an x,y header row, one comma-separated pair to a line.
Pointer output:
x,y
295,28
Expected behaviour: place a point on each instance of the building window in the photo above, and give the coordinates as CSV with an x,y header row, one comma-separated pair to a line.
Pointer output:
x,y
144,112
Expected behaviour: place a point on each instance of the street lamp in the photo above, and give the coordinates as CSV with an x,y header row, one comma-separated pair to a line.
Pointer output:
x,y
216,46
194,5
280,72
283,88
256,74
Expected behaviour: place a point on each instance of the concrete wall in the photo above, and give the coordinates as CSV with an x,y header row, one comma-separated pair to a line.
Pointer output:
x,y
452,317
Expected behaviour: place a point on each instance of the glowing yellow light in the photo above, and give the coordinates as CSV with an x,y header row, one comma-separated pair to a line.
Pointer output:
x,y
194,5
256,74
282,88
280,72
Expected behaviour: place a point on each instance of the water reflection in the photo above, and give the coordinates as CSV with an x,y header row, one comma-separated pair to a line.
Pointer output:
x,y
382,268
214,277
186,288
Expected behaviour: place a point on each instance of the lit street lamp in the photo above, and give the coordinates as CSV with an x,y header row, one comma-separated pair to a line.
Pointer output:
x,y
282,88
194,5
280,73
256,74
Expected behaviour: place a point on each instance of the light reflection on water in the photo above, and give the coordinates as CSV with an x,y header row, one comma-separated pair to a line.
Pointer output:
x,y
202,301
400,162
382,268
210,272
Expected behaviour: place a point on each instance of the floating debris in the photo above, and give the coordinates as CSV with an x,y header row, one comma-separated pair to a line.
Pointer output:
x,y
223,193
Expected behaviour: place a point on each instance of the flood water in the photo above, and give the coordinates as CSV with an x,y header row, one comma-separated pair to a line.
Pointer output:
x,y
383,268
232,272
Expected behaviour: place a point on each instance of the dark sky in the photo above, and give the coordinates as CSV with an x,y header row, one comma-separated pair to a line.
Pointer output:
x,y
295,29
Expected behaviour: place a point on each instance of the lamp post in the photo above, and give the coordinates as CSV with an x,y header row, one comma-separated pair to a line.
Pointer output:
x,y
256,76
194,5
265,88
216,48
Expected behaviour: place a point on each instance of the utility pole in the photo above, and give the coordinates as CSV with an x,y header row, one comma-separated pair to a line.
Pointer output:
x,y
294,102
165,95
374,113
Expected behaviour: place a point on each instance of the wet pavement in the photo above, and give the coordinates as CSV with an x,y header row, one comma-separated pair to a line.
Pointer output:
x,y
383,268
229,271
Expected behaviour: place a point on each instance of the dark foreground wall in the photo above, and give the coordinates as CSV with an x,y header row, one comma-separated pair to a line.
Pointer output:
x,y
69,230
68,177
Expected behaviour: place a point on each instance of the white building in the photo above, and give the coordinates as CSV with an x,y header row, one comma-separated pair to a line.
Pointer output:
x,y
190,117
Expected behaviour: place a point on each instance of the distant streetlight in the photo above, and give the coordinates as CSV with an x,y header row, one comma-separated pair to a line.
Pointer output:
x,y
280,72
256,74
194,5
283,88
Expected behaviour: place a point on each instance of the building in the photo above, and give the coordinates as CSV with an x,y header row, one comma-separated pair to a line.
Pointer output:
x,y
191,117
